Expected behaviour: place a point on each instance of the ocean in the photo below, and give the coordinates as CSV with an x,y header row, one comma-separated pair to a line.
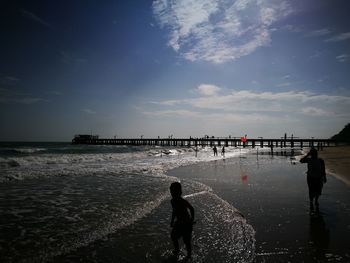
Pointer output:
x,y
66,203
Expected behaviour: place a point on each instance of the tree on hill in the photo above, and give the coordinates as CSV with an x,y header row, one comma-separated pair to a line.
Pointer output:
x,y
343,135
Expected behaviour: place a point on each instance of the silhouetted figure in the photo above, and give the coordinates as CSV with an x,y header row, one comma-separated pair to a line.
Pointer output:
x,y
215,151
223,151
181,220
316,175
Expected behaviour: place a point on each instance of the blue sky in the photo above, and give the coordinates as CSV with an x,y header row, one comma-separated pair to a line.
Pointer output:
x,y
182,68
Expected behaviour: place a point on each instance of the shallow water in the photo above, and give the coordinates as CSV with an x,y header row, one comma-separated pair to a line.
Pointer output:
x,y
42,219
105,204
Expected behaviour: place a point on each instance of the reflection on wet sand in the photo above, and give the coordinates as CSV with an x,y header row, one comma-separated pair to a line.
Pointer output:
x,y
319,235
271,192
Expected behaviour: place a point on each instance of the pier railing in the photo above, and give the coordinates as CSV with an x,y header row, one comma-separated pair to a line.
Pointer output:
x,y
219,142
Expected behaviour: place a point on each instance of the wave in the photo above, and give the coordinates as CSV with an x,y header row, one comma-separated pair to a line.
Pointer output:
x,y
29,150
8,163
72,202
115,223
150,161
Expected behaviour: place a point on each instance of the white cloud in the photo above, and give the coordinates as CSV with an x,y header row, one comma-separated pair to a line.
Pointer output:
x,y
219,30
319,32
252,118
24,100
172,113
34,17
316,54
241,4
29,100
284,84
89,111
312,111
55,92
343,57
340,37
293,28
9,80
266,113
208,89
14,95
68,58
267,103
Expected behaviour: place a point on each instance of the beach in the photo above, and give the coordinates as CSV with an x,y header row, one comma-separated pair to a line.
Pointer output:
x,y
271,192
64,203
337,161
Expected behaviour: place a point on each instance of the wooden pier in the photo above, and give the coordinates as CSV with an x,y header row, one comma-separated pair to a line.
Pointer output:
x,y
211,142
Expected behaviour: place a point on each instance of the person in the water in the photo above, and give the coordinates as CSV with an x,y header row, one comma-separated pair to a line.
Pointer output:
x,y
182,219
215,150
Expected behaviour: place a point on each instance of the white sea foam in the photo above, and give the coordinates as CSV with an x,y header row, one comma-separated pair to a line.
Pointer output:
x,y
151,161
223,229
72,201
30,150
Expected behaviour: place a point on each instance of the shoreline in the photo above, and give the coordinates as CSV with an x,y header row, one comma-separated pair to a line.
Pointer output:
x,y
337,161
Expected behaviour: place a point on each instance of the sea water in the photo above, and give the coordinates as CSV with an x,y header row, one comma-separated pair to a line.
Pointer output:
x,y
62,202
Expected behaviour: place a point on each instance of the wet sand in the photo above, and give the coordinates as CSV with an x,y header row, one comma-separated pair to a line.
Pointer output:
x,y
271,192
337,160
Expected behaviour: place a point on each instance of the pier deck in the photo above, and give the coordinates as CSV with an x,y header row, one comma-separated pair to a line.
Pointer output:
x,y
227,142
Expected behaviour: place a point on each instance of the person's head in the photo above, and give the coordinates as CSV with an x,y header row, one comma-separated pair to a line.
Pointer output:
x,y
175,189
313,153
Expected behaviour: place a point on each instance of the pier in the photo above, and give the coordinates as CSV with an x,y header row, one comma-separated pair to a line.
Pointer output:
x,y
243,142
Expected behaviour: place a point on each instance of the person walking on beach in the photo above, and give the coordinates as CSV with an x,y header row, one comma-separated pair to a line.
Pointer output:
x,y
223,151
181,220
316,176
215,151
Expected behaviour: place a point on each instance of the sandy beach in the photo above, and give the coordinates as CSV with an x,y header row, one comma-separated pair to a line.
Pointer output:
x,y
337,160
271,192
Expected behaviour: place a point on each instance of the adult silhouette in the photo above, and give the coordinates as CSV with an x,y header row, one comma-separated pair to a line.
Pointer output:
x,y
316,175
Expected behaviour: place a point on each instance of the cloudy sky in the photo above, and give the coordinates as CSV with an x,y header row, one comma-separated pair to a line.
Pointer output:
x,y
184,67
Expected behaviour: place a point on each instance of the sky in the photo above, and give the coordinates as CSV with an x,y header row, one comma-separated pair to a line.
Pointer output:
x,y
181,68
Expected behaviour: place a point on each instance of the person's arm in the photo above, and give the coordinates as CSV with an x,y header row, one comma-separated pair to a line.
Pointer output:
x,y
323,167
305,158
190,207
172,215
172,219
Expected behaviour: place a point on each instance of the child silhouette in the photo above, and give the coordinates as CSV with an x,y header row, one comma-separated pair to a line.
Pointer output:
x,y
182,226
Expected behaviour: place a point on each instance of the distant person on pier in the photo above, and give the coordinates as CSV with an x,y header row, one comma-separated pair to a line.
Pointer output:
x,y
182,219
215,151
316,176
223,151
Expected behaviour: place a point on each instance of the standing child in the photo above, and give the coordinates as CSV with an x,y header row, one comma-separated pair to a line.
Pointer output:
x,y
182,226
